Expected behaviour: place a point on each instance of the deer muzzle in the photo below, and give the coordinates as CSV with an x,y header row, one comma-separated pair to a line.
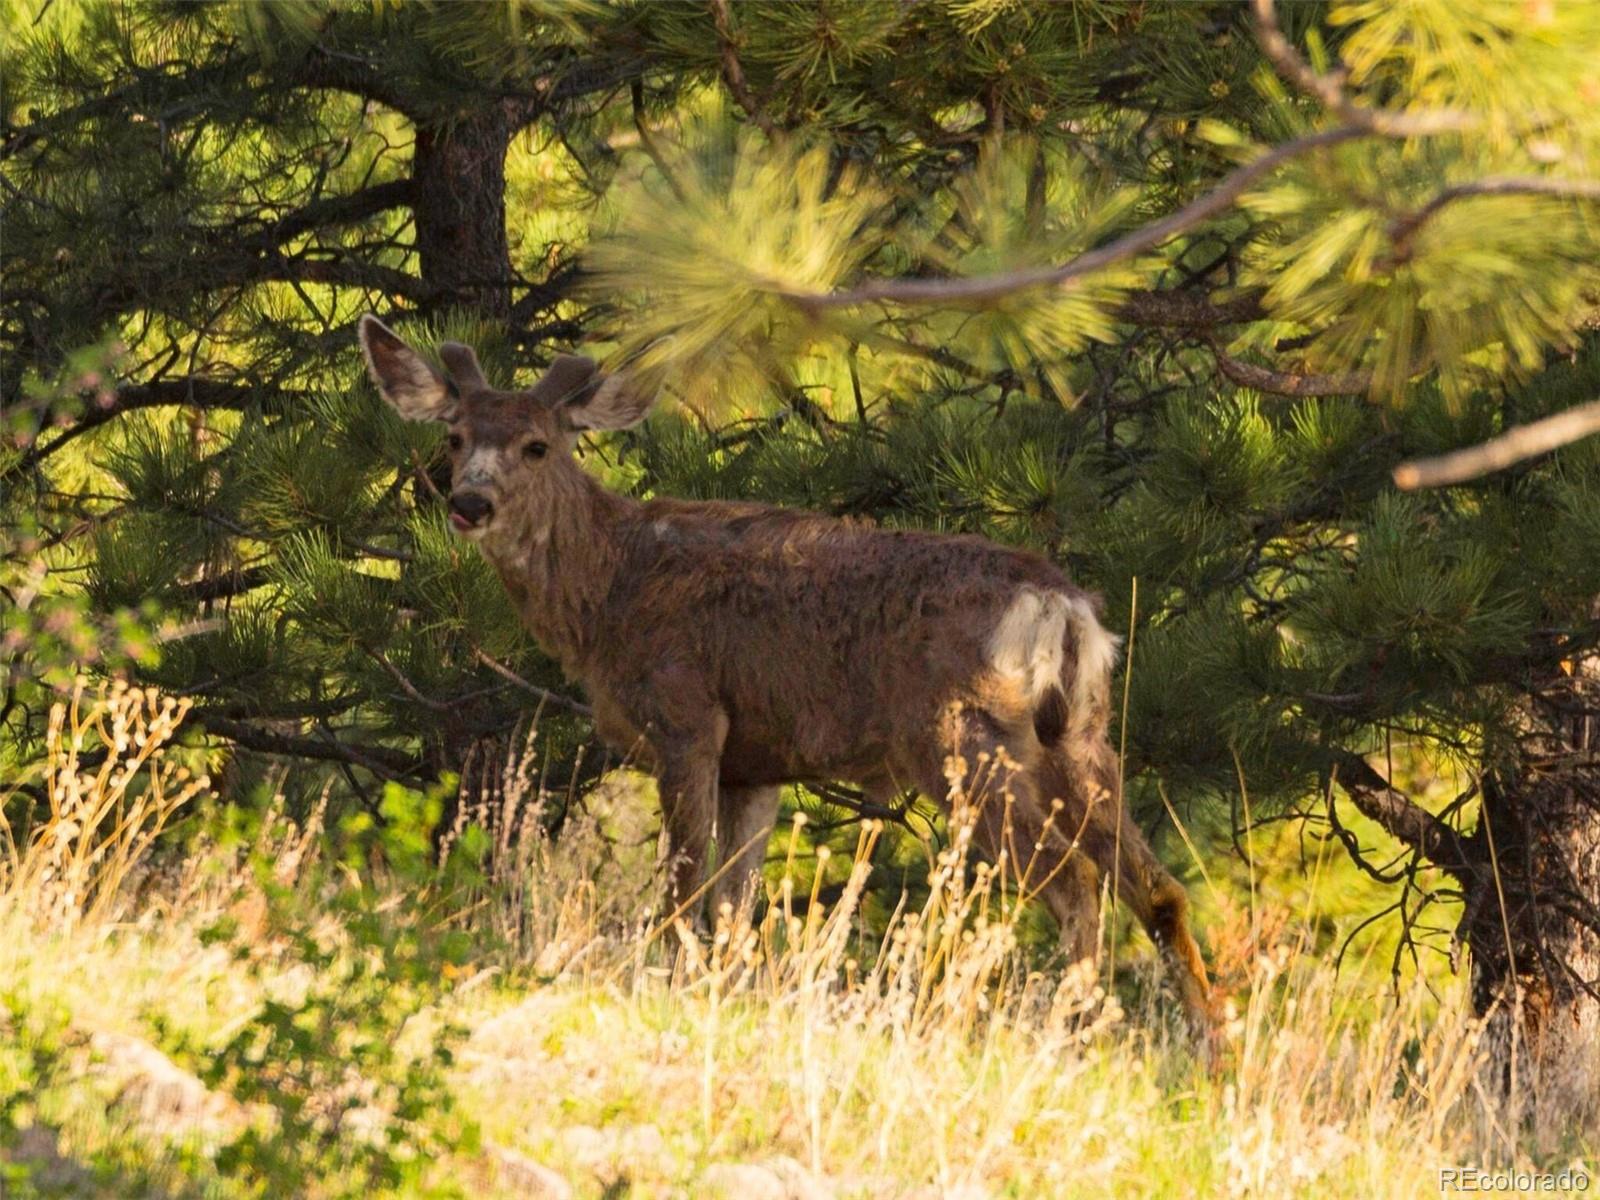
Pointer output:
x,y
469,510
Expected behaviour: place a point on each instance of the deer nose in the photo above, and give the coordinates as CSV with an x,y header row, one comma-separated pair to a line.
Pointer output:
x,y
469,508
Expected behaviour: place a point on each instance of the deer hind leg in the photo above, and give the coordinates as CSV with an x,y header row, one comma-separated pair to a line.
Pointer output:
x,y
1057,823
745,818
1162,906
1016,829
1120,852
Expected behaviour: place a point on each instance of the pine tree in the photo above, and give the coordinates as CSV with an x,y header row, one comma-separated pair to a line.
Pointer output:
x,y
207,197
1173,292
1167,291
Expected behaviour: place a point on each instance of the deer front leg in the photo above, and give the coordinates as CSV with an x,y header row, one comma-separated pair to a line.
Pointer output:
x,y
688,787
745,817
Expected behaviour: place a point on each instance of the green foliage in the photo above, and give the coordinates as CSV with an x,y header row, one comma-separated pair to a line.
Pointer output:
x,y
203,198
1028,206
32,1061
354,1109
1479,290
705,255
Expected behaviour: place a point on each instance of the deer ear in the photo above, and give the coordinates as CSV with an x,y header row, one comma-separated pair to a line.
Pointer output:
x,y
612,402
404,378
462,363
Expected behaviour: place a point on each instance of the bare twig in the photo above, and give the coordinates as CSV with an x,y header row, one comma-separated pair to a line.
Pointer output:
x,y
545,694
1404,228
1352,846
733,71
1513,446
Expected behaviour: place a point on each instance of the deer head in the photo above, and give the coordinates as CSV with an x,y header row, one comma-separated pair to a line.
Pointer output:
x,y
510,451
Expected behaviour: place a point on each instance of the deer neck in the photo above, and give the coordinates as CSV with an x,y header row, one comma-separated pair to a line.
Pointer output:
x,y
559,561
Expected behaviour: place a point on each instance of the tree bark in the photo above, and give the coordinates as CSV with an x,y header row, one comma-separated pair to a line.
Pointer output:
x,y
458,172
1532,918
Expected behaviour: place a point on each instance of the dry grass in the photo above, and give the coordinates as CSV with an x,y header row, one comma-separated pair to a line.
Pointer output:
x,y
788,1056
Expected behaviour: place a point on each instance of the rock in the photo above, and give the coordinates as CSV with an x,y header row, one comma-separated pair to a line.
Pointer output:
x,y
160,1097
799,1182
520,1175
618,1153
743,1181
777,1178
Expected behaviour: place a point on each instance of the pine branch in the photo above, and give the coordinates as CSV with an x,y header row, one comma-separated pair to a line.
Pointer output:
x,y
190,391
241,265
1400,816
544,694
1330,91
1404,228
223,586
1189,309
987,288
647,142
733,71
338,210
340,71
1358,122
149,88
380,760
1287,383
557,286
1513,446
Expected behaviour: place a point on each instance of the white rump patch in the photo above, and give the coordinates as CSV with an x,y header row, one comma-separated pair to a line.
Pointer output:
x,y
1027,647
1097,655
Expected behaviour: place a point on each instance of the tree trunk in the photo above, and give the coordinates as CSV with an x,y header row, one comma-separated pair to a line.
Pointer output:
x,y
1532,918
459,171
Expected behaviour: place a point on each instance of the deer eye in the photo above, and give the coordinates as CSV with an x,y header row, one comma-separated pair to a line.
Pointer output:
x,y
535,449
455,441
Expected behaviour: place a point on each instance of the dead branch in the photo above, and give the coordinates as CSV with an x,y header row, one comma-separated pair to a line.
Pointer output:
x,y
1513,446
1400,816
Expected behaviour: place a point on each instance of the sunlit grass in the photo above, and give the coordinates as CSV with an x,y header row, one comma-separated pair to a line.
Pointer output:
x,y
594,1040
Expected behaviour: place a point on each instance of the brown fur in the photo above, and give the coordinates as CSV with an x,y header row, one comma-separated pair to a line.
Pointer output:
x,y
741,647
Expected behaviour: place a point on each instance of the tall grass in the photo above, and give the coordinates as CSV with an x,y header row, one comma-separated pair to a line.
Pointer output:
x,y
109,789
603,1046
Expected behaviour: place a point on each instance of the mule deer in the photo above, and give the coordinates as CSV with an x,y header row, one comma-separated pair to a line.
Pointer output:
x,y
745,647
